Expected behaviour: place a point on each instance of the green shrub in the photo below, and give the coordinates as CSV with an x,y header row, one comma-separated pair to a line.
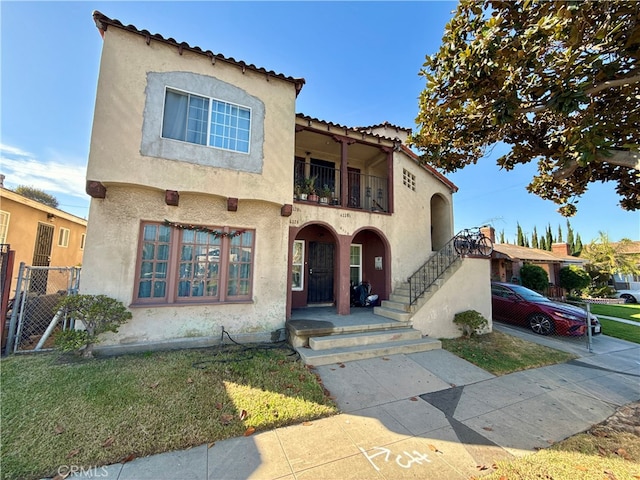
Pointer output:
x,y
534,277
470,322
98,314
574,279
70,340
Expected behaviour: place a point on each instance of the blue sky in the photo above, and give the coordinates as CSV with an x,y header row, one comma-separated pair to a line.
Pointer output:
x,y
360,61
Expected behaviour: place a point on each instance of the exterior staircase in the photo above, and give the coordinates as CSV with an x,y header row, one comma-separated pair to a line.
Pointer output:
x,y
388,331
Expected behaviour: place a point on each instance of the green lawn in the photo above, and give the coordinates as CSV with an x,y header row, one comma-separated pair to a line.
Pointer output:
x,y
100,411
623,331
500,353
628,311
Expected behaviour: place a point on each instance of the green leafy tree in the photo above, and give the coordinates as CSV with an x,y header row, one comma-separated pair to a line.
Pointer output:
x,y
37,195
570,240
543,243
609,258
557,81
559,237
549,237
574,279
578,248
501,236
520,240
534,277
534,239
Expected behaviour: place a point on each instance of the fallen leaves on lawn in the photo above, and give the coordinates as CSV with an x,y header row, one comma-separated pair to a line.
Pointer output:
x,y
249,431
128,458
59,429
108,442
73,453
623,453
154,385
226,419
243,415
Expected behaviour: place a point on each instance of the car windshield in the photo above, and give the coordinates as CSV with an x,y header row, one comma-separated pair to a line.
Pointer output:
x,y
529,295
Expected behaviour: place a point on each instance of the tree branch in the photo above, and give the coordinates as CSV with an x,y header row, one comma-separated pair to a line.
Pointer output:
x,y
591,91
621,158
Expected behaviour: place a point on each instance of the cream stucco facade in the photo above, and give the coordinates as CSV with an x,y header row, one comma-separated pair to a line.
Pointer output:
x,y
386,216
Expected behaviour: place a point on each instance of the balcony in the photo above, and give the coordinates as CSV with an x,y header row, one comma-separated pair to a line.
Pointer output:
x,y
316,183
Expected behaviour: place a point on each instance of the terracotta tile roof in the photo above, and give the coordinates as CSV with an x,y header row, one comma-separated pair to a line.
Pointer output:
x,y
103,22
357,130
385,125
532,254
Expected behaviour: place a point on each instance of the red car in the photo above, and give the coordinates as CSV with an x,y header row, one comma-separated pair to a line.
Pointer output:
x,y
522,306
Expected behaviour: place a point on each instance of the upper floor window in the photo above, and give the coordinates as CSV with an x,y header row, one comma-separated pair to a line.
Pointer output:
x,y
83,237
63,237
206,121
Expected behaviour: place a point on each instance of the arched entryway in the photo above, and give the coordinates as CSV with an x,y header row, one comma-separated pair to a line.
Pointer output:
x,y
441,228
370,262
314,271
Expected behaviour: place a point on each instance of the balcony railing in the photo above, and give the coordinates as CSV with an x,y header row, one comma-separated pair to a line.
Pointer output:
x,y
365,192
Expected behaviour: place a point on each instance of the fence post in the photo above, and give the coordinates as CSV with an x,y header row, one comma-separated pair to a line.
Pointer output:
x,y
589,335
17,306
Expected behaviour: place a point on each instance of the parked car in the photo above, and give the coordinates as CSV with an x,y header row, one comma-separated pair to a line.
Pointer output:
x,y
522,306
630,296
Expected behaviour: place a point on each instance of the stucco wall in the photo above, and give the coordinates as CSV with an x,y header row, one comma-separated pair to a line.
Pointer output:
x,y
110,264
127,64
468,288
25,215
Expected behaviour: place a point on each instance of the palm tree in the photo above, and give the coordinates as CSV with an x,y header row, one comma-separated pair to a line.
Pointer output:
x,y
609,258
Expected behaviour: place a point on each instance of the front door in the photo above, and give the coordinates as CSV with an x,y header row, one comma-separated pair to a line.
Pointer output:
x,y
320,289
41,258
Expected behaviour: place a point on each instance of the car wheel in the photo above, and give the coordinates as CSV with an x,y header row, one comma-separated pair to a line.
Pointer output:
x,y
628,298
541,324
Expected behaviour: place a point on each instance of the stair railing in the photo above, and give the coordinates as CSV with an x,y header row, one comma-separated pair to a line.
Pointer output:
x,y
431,271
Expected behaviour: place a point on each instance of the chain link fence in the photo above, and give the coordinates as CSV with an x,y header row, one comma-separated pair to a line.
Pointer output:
x,y
34,316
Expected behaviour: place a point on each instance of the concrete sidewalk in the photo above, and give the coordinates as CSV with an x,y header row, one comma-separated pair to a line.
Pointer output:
x,y
425,415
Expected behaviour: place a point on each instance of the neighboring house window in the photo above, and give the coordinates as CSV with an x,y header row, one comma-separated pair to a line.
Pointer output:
x,y
206,121
82,239
181,265
63,237
4,226
355,264
297,266
409,180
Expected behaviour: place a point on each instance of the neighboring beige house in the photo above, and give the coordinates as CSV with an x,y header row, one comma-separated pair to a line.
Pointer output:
x,y
40,235
507,259
193,222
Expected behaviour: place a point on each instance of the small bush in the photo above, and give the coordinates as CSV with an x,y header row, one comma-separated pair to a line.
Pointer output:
x,y
470,322
70,340
534,277
98,314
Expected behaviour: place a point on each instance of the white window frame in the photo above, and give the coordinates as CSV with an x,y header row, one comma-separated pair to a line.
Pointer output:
x,y
210,120
298,288
358,246
63,237
4,225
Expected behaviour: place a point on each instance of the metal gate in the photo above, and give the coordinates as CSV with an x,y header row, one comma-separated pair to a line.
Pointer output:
x,y
34,314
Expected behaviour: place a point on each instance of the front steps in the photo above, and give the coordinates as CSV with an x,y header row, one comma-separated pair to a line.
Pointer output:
x,y
322,343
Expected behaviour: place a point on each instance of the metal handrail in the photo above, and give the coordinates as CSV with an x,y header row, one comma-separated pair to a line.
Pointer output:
x,y
431,271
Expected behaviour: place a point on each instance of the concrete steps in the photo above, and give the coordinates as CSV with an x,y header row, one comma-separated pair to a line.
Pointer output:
x,y
360,352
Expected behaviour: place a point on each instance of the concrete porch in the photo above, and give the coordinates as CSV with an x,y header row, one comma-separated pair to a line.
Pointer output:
x,y
322,337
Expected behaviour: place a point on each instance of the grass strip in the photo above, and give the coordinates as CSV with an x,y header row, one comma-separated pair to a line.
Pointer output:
x,y
627,311
100,411
499,353
623,331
